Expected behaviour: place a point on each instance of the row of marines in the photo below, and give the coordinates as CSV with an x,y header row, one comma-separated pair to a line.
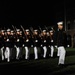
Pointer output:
x,y
10,39
45,39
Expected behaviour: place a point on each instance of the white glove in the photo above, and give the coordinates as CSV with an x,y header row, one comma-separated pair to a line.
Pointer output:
x,y
55,46
23,45
41,45
36,40
2,48
14,45
18,40
31,45
49,46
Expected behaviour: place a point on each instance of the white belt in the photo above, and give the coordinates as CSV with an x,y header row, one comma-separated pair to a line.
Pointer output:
x,y
44,40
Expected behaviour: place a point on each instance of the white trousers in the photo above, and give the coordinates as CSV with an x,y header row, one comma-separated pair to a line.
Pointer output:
x,y
61,54
36,52
45,51
18,51
2,55
52,51
7,54
26,53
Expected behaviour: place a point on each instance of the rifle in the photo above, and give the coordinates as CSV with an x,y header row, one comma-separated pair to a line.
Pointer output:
x,y
46,28
31,29
22,28
14,29
40,29
23,31
5,32
52,29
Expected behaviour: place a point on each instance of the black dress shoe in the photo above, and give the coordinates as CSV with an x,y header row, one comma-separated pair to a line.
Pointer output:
x,y
61,65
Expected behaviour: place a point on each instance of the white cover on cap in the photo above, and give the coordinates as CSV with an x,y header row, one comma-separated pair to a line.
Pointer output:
x,y
8,30
51,30
60,23
12,31
44,30
35,30
18,30
2,30
27,30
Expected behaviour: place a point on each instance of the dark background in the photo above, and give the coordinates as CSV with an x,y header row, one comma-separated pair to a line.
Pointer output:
x,y
33,13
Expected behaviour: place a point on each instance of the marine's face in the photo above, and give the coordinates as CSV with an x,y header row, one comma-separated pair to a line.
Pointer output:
x,y
27,33
60,27
12,33
18,32
3,33
35,33
44,33
8,33
51,33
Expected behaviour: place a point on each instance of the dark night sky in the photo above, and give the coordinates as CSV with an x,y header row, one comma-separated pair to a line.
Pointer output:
x,y
29,13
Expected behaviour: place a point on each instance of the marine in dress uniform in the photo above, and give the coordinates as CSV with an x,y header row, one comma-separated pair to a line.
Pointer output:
x,y
51,42
27,42
2,43
59,41
18,44
36,42
7,45
12,49
44,43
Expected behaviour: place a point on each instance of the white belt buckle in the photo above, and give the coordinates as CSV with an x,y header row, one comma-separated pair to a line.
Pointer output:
x,y
36,40
18,40
44,40
7,39
51,40
27,40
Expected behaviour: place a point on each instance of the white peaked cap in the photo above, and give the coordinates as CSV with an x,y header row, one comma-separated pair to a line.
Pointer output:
x,y
27,30
59,23
12,31
51,30
44,30
8,30
18,30
2,30
36,30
